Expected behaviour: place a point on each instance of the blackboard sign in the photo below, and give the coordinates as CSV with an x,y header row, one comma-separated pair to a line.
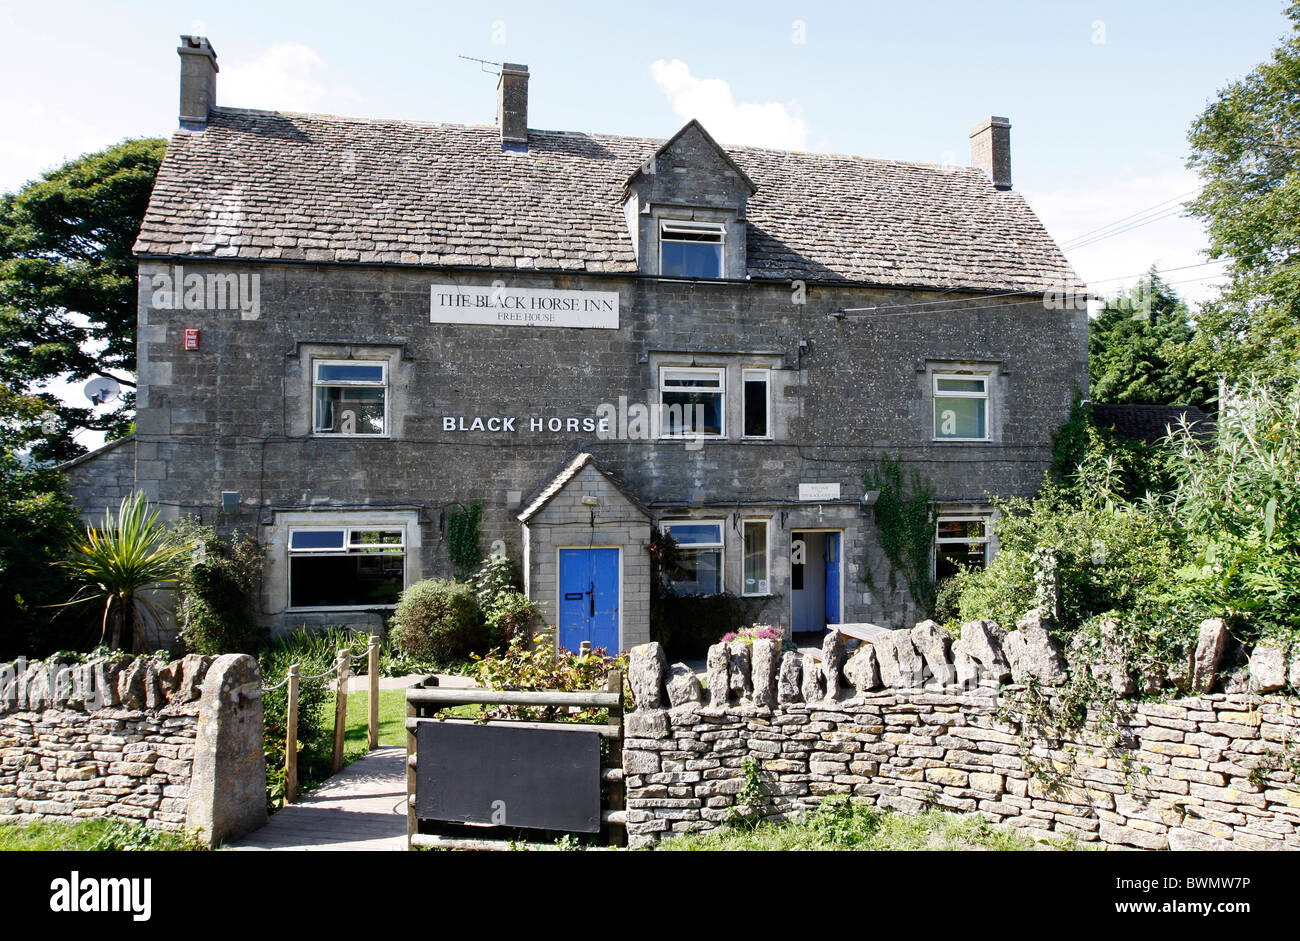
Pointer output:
x,y
494,774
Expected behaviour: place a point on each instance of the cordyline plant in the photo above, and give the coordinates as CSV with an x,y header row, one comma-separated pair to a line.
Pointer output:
x,y
120,561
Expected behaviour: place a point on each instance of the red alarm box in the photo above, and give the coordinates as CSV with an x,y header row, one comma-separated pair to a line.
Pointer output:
x,y
191,338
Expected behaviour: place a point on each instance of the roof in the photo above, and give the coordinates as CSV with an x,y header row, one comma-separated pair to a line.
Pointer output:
x,y
97,452
1150,423
273,186
562,479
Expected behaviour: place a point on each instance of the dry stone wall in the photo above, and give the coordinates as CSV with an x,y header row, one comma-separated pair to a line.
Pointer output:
x,y
911,720
132,740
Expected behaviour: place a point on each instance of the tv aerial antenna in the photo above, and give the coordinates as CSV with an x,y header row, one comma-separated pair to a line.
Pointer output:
x,y
483,65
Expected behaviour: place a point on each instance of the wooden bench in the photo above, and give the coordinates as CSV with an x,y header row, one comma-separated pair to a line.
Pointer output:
x,y
859,632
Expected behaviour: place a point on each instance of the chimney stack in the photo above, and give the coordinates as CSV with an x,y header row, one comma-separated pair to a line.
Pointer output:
x,y
198,80
990,150
512,106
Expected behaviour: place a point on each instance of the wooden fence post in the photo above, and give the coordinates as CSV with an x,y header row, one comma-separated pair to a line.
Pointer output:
x,y
291,738
341,710
372,672
617,786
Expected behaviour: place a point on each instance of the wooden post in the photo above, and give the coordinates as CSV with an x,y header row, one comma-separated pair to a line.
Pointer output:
x,y
291,738
341,710
372,672
614,684
412,823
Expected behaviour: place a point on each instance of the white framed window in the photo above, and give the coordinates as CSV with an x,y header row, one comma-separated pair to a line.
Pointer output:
x,y
755,577
758,403
690,249
961,542
692,401
346,566
699,556
961,407
350,398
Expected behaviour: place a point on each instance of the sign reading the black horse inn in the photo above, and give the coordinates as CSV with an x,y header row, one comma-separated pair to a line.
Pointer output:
x,y
523,307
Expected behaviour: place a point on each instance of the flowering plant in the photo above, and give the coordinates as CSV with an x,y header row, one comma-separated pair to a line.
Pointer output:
x,y
755,632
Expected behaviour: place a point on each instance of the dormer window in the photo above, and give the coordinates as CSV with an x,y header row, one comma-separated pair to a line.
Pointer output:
x,y
690,249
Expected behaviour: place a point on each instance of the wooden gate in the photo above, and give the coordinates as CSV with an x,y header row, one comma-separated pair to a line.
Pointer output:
x,y
484,783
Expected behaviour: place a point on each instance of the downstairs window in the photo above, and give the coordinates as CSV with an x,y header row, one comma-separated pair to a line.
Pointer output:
x,y
346,568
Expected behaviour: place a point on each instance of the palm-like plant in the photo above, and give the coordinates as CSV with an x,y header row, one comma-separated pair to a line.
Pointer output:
x,y
119,562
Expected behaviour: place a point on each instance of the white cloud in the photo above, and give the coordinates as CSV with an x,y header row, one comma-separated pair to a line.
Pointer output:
x,y
287,77
1170,240
762,124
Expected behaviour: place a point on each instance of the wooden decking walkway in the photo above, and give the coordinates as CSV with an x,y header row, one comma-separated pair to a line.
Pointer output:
x,y
363,807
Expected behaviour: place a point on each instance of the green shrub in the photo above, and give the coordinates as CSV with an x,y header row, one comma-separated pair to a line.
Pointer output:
x,y
506,609
315,653
218,592
438,619
534,664
1109,557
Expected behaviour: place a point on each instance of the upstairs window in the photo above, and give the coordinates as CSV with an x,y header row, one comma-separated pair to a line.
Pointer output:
x,y
349,397
690,249
692,401
699,556
346,568
757,403
961,407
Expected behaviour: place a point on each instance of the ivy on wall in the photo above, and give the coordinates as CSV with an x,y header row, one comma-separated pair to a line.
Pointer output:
x,y
463,544
905,522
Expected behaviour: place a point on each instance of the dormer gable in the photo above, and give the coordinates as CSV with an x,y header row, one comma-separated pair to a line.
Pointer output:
x,y
685,208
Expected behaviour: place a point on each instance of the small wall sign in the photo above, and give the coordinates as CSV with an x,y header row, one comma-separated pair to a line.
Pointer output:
x,y
810,492
500,305
191,338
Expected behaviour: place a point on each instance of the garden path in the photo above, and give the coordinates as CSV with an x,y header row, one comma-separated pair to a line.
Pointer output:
x,y
363,807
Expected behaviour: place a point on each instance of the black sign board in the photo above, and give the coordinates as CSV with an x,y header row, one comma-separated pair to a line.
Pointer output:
x,y
494,774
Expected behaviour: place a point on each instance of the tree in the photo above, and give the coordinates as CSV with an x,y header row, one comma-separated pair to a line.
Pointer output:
x,y
1246,147
68,285
1139,351
37,524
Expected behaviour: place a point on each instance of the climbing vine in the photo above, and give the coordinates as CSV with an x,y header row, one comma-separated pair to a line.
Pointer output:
x,y
463,537
905,522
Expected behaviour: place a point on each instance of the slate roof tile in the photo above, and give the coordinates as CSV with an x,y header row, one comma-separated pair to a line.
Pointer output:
x,y
272,185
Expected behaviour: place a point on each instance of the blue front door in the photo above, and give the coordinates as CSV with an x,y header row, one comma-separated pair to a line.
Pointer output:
x,y
832,555
589,598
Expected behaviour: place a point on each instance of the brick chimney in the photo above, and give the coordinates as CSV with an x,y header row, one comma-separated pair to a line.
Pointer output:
x,y
198,80
512,106
990,150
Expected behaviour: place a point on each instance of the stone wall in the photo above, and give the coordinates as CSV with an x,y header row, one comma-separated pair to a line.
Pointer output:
x,y
1213,771
136,740
100,480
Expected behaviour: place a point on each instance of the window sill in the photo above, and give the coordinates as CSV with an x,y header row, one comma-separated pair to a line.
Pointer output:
x,y
328,435
355,607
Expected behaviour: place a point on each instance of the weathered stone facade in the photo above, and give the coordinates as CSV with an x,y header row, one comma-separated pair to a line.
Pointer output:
x,y
1212,772
100,480
124,740
848,285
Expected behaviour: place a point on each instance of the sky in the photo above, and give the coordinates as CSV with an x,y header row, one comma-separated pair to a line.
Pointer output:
x,y
1100,94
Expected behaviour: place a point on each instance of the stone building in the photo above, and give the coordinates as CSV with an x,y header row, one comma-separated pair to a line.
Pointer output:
x,y
352,330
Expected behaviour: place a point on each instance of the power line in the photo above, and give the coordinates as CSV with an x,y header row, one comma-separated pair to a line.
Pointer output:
x,y
1131,217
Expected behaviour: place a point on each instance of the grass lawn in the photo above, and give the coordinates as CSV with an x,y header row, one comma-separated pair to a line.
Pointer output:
x,y
392,719
837,825
89,835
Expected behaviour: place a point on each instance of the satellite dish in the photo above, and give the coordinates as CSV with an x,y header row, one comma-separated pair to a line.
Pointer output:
x,y
102,389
